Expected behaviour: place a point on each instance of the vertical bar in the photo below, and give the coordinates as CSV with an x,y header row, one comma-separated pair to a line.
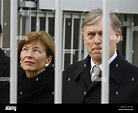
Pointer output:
x,y
21,20
105,54
63,41
58,40
80,39
129,41
28,22
72,32
13,52
1,21
37,21
46,22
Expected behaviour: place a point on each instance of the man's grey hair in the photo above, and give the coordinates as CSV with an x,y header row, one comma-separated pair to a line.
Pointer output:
x,y
96,14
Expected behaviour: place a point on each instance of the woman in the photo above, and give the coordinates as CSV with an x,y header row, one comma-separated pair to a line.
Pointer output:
x,y
36,75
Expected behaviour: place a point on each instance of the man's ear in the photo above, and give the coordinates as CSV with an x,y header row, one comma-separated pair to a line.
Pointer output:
x,y
83,37
118,35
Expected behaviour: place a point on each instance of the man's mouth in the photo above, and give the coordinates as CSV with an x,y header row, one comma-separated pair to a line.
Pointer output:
x,y
97,50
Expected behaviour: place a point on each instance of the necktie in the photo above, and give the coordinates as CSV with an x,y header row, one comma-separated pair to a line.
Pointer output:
x,y
96,73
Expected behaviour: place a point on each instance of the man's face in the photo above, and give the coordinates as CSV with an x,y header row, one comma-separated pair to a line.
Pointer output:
x,y
92,36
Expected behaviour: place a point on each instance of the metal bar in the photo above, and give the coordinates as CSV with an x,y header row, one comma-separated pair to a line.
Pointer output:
x,y
13,53
105,54
37,21
21,20
58,39
129,39
72,33
46,22
63,43
1,21
80,39
28,23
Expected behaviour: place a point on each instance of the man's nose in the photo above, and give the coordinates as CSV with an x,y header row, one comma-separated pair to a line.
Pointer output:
x,y
97,39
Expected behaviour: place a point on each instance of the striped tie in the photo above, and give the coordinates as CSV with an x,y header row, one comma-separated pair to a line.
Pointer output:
x,y
96,73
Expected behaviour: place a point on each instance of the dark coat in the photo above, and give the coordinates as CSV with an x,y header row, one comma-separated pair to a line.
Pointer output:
x,y
39,89
123,83
4,77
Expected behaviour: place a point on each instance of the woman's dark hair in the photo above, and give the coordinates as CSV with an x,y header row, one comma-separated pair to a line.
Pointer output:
x,y
0,29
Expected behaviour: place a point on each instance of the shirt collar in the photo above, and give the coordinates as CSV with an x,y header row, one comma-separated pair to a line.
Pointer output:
x,y
101,66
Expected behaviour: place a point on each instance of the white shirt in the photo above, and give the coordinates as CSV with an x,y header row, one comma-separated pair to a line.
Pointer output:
x,y
101,67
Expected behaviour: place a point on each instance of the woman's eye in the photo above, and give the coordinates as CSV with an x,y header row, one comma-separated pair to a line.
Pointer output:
x,y
24,49
36,50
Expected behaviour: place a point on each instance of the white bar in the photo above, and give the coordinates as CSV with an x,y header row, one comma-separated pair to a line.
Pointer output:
x,y
58,39
21,21
80,40
1,7
105,54
13,52
72,36
63,42
46,22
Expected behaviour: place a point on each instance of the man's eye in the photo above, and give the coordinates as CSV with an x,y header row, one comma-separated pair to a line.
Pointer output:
x,y
91,35
100,34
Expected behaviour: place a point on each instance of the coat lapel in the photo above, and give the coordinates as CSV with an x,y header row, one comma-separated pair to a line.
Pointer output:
x,y
85,73
118,68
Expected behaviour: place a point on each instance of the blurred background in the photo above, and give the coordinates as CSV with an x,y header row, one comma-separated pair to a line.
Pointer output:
x,y
35,15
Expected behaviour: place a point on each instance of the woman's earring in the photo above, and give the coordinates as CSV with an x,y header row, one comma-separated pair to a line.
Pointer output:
x,y
46,65
20,63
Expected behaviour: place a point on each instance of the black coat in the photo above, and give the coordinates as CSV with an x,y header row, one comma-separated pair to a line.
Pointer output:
x,y
4,77
39,89
123,83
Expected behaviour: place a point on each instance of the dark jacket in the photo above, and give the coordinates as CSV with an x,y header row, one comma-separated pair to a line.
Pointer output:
x,y
123,83
4,77
39,89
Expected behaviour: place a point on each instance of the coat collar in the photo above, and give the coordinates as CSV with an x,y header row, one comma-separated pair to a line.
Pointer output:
x,y
83,70
4,62
84,65
117,69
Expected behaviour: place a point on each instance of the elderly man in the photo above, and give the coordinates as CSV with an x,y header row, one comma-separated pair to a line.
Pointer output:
x,y
81,80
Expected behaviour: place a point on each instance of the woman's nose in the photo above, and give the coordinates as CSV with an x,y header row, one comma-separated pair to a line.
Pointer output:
x,y
29,54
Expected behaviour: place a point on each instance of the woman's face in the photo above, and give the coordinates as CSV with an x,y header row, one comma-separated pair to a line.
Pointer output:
x,y
33,57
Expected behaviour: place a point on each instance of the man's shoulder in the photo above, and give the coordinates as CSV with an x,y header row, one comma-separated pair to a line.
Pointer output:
x,y
74,65
132,68
78,66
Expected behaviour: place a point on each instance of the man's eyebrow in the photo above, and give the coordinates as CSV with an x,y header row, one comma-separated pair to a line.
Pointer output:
x,y
90,31
95,31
